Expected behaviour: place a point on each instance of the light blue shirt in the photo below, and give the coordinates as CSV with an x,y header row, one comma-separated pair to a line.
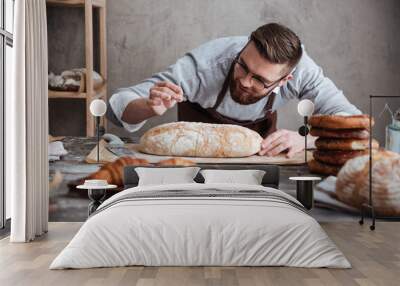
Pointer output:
x,y
202,71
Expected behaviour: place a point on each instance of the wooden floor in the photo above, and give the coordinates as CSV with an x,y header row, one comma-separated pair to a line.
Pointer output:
x,y
375,257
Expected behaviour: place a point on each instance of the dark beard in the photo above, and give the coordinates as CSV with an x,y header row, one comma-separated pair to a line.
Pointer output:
x,y
240,98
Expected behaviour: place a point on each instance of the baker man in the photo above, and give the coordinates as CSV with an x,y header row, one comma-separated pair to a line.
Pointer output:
x,y
237,80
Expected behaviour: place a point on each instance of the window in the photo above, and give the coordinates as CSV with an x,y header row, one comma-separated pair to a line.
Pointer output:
x,y
6,65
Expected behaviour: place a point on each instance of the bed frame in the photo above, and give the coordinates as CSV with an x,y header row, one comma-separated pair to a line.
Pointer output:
x,y
271,177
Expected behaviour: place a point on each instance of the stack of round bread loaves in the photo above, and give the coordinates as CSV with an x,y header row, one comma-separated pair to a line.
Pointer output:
x,y
341,138
352,185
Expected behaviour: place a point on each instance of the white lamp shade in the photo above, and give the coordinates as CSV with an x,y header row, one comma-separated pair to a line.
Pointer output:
x,y
98,107
305,107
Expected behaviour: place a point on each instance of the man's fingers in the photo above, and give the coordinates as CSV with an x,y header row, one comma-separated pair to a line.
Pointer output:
x,y
282,140
168,93
293,151
175,88
155,101
168,84
271,146
178,97
164,91
290,153
169,103
278,149
272,137
279,140
271,149
160,95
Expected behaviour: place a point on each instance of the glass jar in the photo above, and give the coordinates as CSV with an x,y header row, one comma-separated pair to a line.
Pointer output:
x,y
393,134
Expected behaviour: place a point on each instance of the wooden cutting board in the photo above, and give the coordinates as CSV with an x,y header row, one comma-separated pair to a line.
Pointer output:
x,y
255,159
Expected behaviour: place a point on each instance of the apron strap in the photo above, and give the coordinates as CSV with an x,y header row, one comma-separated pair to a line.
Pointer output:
x,y
224,88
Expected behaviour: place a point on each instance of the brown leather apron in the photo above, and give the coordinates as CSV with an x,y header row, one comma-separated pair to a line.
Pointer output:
x,y
194,112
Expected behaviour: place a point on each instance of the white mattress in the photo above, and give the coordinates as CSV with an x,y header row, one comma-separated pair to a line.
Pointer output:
x,y
189,231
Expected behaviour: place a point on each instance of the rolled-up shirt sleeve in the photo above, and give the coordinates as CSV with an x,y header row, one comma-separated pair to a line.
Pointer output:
x,y
182,73
327,98
119,102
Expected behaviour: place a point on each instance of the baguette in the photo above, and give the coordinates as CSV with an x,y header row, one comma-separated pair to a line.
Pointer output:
x,y
194,139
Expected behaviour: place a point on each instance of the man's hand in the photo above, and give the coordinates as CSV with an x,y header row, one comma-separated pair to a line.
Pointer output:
x,y
163,96
280,141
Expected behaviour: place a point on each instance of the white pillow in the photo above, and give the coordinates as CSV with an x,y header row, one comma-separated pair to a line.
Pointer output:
x,y
164,176
248,177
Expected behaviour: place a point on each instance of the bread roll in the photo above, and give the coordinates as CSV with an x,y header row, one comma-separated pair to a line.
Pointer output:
x,y
175,162
200,140
340,133
344,144
114,172
318,167
337,157
352,185
340,121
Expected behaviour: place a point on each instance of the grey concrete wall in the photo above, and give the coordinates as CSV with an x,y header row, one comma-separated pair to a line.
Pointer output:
x,y
357,42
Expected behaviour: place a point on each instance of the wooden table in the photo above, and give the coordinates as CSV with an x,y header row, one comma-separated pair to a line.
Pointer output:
x,y
73,165
69,206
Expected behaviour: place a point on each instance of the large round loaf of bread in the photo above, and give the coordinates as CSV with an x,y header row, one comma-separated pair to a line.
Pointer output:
x,y
200,140
352,185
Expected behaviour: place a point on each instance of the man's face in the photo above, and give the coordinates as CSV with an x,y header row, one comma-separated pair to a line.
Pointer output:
x,y
244,89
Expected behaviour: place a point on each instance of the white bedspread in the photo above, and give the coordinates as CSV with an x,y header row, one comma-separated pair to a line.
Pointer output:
x,y
183,231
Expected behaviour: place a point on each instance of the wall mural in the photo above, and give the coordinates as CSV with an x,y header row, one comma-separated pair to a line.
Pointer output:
x,y
149,82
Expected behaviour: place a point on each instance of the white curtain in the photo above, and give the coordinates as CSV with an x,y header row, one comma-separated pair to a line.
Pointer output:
x,y
27,124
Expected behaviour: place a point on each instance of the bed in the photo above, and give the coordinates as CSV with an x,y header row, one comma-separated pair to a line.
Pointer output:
x,y
198,224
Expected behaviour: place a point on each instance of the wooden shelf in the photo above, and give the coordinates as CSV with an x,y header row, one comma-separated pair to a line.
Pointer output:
x,y
76,3
90,93
98,93
66,94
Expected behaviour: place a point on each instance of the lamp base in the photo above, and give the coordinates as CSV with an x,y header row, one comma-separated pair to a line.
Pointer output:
x,y
305,194
367,207
304,190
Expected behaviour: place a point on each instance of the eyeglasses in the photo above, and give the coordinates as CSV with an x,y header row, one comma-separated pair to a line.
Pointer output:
x,y
257,82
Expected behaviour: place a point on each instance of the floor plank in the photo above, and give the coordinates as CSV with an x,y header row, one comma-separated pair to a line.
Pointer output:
x,y
374,255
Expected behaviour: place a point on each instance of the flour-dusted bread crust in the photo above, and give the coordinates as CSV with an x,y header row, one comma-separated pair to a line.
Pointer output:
x,y
340,121
196,139
175,162
352,185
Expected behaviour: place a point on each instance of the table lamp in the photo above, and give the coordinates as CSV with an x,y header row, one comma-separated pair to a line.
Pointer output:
x,y
304,184
98,108
305,108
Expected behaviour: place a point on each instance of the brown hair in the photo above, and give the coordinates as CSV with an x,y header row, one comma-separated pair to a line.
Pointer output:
x,y
278,44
